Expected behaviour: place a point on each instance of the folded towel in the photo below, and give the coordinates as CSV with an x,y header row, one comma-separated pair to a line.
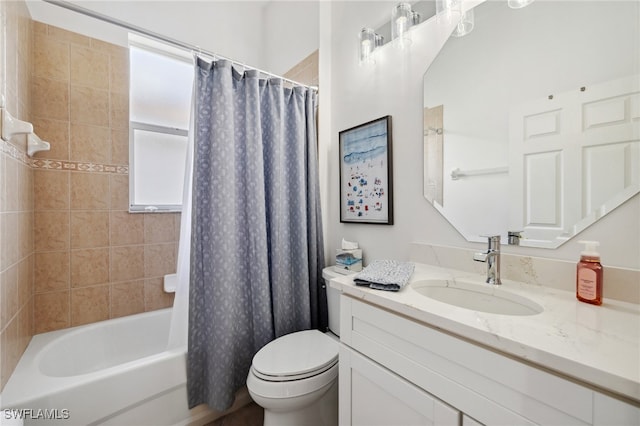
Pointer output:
x,y
391,275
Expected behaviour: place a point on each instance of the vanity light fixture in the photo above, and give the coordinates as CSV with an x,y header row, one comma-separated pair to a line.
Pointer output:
x,y
465,24
415,18
519,4
369,41
449,11
402,18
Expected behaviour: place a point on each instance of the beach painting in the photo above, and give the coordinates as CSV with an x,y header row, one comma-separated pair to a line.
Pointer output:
x,y
365,173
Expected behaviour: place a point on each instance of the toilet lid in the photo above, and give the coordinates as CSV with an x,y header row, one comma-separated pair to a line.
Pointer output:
x,y
295,356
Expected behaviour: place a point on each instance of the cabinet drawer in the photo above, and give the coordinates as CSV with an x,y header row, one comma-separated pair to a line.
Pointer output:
x,y
489,387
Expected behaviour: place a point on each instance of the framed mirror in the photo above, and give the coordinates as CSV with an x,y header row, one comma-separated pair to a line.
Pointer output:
x,y
532,121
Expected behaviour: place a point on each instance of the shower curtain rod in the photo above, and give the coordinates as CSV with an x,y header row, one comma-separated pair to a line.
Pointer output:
x,y
160,37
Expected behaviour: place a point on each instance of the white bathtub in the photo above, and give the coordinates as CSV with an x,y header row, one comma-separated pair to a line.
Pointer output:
x,y
114,372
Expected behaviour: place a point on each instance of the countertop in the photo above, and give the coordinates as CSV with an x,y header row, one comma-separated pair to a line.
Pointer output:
x,y
598,345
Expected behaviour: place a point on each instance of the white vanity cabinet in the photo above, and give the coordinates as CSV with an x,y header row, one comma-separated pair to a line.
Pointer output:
x,y
396,371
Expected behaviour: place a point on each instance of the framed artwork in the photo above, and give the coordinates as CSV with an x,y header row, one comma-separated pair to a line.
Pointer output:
x,y
365,173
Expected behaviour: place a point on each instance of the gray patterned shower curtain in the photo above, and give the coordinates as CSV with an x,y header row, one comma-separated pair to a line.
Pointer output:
x,y
256,233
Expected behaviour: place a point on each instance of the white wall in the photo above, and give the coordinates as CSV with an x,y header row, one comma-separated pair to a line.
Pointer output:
x,y
394,86
291,33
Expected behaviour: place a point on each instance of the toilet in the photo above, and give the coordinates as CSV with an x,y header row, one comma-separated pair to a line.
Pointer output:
x,y
295,377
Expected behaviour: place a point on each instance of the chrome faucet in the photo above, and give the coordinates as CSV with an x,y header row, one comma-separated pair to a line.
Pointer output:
x,y
492,257
514,238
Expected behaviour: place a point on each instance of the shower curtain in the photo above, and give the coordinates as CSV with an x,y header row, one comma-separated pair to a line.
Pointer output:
x,y
256,235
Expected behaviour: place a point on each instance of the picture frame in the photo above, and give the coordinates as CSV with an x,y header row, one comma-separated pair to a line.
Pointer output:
x,y
366,178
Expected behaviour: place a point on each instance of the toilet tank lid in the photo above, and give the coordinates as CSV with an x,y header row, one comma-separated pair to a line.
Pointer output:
x,y
329,273
296,354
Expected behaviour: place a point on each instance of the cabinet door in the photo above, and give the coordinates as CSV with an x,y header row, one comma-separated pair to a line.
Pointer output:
x,y
468,421
371,395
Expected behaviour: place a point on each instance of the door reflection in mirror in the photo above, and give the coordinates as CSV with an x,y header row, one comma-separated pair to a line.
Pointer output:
x,y
541,120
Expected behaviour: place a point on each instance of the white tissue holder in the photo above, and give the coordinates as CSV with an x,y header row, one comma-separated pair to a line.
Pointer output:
x,y
348,261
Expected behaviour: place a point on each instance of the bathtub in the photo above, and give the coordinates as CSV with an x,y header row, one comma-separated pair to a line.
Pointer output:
x,y
115,372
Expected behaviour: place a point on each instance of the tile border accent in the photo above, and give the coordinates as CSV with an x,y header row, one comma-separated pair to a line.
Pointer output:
x,y
76,166
14,152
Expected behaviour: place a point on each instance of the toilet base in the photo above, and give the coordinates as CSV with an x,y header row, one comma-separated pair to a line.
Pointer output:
x,y
323,412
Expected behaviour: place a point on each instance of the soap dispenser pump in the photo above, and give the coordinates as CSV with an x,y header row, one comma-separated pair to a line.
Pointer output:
x,y
589,274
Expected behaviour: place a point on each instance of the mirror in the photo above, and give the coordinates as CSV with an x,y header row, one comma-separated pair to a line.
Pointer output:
x,y
532,121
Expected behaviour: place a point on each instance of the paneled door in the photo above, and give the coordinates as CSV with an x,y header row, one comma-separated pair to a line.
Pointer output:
x,y
573,157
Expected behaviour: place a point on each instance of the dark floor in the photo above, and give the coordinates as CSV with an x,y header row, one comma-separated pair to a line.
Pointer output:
x,y
249,415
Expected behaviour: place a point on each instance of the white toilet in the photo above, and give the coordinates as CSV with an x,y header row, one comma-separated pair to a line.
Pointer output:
x,y
295,377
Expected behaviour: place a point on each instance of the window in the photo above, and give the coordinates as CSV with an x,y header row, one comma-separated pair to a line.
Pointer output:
x,y
161,80
158,175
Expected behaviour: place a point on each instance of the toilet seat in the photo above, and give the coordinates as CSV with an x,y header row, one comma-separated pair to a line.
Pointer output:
x,y
290,390
295,356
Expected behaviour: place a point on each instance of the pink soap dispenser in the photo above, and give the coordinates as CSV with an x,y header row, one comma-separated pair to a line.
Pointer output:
x,y
589,274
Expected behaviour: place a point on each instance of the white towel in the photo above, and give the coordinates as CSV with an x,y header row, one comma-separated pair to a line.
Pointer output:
x,y
390,275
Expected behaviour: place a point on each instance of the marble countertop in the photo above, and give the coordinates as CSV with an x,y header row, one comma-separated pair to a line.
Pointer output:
x,y
598,345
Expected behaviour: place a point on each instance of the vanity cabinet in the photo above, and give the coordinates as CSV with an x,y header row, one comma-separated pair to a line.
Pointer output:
x,y
394,370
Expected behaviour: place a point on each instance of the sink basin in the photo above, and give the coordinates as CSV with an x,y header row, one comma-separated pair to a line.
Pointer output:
x,y
477,297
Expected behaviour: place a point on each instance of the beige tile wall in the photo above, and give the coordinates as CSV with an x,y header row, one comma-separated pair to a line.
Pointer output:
x,y
93,259
306,71
16,195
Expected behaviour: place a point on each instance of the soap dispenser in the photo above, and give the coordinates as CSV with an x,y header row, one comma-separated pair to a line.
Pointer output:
x,y
589,274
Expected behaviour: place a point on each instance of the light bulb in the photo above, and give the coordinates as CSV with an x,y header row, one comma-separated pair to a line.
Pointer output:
x,y
367,47
401,25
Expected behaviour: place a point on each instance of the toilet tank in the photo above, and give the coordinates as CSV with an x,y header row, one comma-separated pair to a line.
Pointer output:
x,y
333,299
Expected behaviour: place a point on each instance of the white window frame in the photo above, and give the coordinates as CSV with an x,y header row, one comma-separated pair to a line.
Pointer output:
x,y
147,208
